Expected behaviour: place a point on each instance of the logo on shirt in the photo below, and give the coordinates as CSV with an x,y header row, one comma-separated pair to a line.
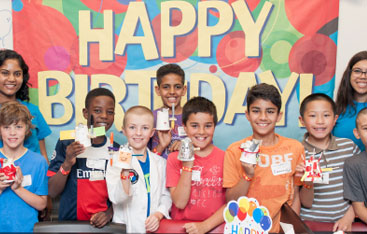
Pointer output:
x,y
53,156
133,175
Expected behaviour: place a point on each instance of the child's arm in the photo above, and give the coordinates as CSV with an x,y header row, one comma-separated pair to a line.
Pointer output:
x,y
34,200
296,204
175,146
43,149
118,189
164,138
100,219
181,193
206,225
306,192
3,185
345,223
57,182
360,210
241,188
152,222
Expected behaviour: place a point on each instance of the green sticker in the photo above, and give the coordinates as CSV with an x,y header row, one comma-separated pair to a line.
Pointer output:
x,y
100,131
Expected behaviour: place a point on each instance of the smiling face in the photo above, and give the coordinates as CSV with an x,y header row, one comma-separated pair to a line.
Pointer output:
x,y
358,80
102,108
200,129
171,90
263,116
360,132
13,135
11,79
138,129
319,120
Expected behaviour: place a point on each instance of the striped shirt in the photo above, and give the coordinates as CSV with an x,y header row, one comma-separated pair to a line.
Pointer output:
x,y
328,204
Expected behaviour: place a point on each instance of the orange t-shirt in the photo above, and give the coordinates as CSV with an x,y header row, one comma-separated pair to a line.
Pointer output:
x,y
270,186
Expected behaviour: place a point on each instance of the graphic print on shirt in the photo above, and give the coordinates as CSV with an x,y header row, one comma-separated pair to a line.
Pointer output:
x,y
207,187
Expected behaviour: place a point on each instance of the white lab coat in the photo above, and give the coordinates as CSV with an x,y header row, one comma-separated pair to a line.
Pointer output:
x,y
132,209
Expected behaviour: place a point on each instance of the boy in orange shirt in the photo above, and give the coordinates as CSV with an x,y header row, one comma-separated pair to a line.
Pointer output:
x,y
272,181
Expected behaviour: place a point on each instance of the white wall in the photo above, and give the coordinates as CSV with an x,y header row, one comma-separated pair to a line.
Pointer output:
x,y
6,29
352,33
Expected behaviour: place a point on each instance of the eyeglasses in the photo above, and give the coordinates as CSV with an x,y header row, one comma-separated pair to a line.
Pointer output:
x,y
359,72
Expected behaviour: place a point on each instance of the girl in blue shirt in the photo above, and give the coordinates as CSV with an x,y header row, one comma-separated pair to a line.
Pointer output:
x,y
351,97
14,78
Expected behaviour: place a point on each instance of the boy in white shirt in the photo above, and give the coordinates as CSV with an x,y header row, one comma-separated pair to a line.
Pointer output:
x,y
139,196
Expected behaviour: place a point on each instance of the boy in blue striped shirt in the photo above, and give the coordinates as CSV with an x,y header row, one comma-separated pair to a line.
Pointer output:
x,y
323,201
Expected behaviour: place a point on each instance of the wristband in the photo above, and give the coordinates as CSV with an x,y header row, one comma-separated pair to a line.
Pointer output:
x,y
188,169
63,171
307,186
124,177
156,152
246,177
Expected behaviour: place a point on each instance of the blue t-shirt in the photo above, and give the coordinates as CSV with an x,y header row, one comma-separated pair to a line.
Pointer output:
x,y
347,122
15,214
145,166
83,195
40,131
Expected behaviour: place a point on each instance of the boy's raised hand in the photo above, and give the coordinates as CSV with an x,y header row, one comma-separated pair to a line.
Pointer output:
x,y
164,138
73,150
300,169
249,169
175,146
18,179
3,185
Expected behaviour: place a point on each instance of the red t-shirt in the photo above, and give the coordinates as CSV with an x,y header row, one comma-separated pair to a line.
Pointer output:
x,y
207,194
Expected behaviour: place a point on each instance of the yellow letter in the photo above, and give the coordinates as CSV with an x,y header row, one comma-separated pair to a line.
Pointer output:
x,y
169,32
143,80
218,90
206,32
81,85
103,36
117,87
244,81
45,104
137,12
267,77
305,87
251,29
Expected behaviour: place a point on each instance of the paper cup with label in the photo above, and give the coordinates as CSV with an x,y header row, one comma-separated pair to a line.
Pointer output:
x,y
122,158
162,120
186,152
8,168
82,135
250,151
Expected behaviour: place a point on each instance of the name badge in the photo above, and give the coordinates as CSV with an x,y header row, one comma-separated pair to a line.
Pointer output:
x,y
96,164
27,181
196,175
282,168
324,178
96,175
181,131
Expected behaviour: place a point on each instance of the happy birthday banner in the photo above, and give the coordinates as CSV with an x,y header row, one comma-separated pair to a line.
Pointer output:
x,y
225,47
